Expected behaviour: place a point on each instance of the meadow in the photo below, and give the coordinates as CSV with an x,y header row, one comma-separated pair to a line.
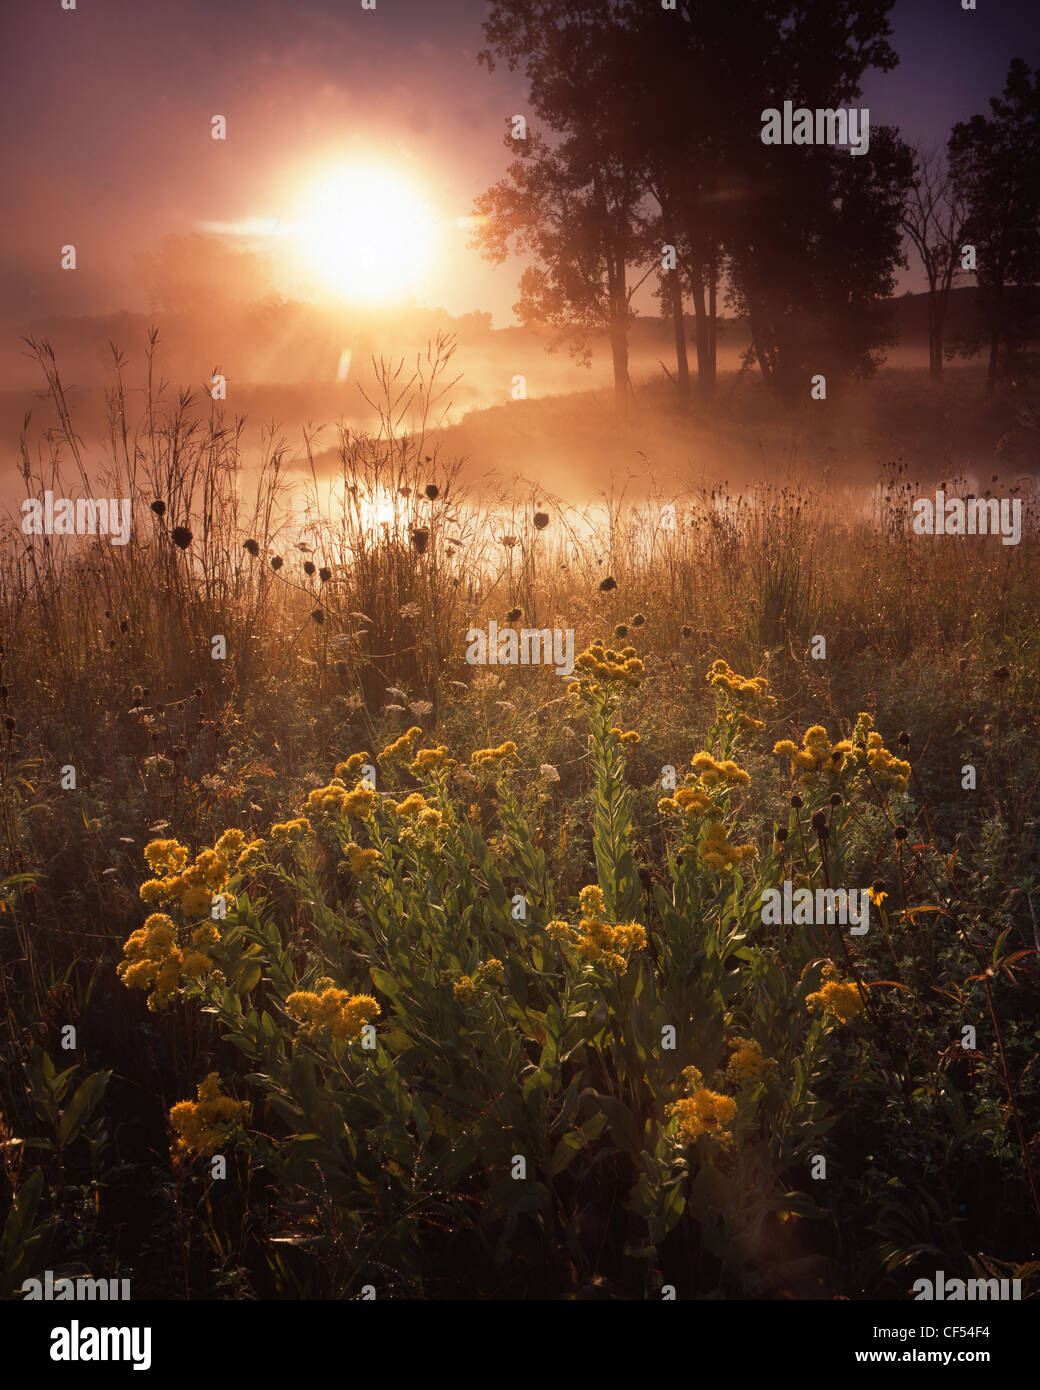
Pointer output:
x,y
333,966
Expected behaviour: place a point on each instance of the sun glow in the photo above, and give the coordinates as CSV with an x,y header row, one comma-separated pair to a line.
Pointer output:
x,y
368,234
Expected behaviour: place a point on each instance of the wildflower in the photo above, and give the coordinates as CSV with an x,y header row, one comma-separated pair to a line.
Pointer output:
x,y
629,737
421,708
464,990
714,774
334,1011
201,1125
549,773
687,802
291,831
842,998
748,1063
514,615
251,856
607,584
541,520
705,1112
718,853
409,610
181,537
361,860
196,901
427,759
490,757
347,770
742,690
590,900
359,802
402,748
608,665
230,844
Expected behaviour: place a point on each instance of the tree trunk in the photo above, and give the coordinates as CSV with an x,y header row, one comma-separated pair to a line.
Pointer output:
x,y
994,335
682,361
619,355
713,360
705,385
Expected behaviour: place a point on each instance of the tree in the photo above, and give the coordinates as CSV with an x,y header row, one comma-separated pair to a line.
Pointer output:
x,y
575,218
933,217
573,205
995,166
814,262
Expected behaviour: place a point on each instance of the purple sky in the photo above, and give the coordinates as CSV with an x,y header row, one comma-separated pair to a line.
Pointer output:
x,y
106,114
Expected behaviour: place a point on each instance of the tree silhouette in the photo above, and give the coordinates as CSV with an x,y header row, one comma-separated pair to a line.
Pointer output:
x,y
995,166
933,217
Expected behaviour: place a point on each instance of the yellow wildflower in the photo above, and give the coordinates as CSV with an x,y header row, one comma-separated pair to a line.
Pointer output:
x,y
201,1125
401,748
348,770
336,1010
705,1112
748,1063
842,998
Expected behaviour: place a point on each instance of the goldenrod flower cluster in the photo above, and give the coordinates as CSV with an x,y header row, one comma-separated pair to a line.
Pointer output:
x,y
627,737
468,987
744,690
705,1112
155,960
622,667
335,797
291,832
251,857
748,1063
428,759
191,886
716,774
201,1124
686,802
842,998
350,769
596,941
360,860
864,751
402,749
490,757
335,1011
591,901
717,852
868,746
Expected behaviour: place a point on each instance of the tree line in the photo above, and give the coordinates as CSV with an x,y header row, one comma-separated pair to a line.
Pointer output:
x,y
649,162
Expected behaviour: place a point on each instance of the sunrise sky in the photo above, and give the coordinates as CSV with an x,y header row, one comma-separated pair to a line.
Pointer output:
x,y
107,111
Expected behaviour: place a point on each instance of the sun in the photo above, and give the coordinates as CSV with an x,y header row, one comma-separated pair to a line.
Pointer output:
x,y
368,234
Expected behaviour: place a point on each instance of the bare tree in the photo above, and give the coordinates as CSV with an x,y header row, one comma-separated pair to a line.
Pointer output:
x,y
933,217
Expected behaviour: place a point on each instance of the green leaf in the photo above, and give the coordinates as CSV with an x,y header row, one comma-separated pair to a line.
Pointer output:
x,y
81,1106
